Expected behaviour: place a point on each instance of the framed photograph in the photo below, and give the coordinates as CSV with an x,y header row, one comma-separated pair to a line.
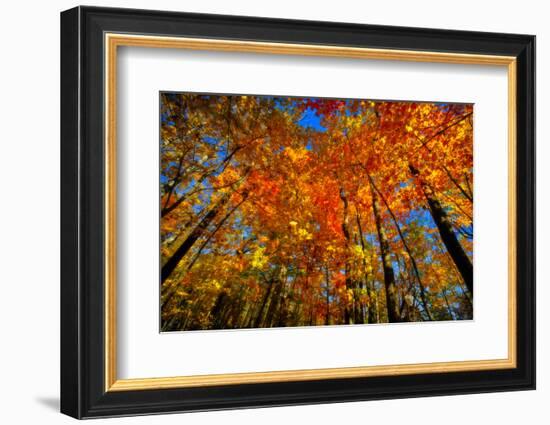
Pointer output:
x,y
261,212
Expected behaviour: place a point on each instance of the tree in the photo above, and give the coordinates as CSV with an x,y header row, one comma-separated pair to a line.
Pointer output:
x,y
279,211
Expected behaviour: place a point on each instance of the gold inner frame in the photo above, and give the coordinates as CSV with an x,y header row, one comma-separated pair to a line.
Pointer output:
x,y
113,41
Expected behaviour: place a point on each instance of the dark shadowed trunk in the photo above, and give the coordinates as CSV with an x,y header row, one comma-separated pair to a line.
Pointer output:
x,y
441,219
168,208
372,311
389,277
218,226
217,310
274,303
423,297
327,296
449,308
258,320
348,313
197,232
371,293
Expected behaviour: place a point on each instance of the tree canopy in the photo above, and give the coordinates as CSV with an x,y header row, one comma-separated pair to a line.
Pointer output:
x,y
284,211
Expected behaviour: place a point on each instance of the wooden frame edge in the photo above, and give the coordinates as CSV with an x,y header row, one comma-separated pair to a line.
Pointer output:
x,y
114,40
110,213
307,375
512,212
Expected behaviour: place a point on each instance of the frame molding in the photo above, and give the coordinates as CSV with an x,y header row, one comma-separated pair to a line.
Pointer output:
x,y
90,38
113,41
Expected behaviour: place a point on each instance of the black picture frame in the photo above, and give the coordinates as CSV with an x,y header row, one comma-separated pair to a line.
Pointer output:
x,y
83,392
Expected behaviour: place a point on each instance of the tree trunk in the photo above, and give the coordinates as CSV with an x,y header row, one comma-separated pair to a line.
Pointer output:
x,y
348,315
423,297
276,298
197,232
327,294
389,277
273,304
449,309
217,310
259,317
168,208
282,320
218,226
441,219
371,313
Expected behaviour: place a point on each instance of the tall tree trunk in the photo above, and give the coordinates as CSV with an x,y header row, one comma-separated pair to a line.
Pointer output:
x,y
441,219
449,309
276,298
327,294
249,307
371,313
360,315
217,310
348,315
237,311
423,297
259,316
282,319
197,232
274,304
218,226
389,277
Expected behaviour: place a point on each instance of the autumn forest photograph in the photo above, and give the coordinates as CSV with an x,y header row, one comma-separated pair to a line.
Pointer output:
x,y
280,211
